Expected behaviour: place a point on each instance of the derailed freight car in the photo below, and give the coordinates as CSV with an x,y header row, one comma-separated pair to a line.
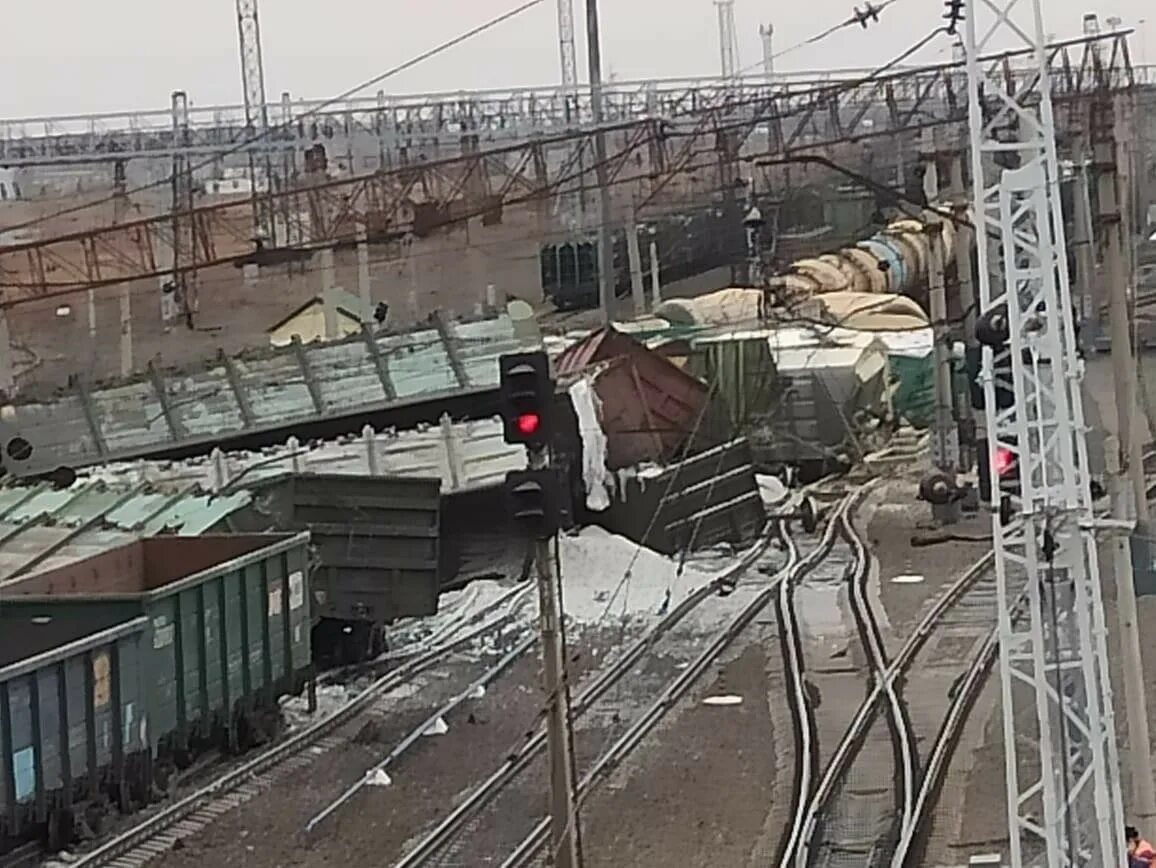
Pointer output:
x,y
120,666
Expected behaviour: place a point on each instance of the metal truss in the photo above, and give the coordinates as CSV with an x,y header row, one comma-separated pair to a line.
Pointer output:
x,y
652,162
256,117
1062,780
404,128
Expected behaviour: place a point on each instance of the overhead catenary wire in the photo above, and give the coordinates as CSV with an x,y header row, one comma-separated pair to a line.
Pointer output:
x,y
829,90
65,287
317,109
853,20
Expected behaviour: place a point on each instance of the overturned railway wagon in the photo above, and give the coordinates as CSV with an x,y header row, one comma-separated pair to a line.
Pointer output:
x,y
117,667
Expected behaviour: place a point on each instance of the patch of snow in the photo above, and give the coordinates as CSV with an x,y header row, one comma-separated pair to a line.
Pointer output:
x,y
455,608
595,580
771,489
908,580
438,727
330,697
378,778
723,700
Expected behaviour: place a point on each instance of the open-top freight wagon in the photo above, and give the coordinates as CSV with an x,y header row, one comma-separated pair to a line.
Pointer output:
x,y
120,667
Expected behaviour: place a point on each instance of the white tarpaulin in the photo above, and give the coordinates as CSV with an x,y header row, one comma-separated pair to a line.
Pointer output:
x,y
594,472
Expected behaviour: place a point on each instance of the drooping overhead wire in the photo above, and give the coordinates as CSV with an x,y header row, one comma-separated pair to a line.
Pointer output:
x,y
317,109
859,17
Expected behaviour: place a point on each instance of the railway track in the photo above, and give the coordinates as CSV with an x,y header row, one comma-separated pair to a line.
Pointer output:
x,y
841,822
531,847
450,836
155,834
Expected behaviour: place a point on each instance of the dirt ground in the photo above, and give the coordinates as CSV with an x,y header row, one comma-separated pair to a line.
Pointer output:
x,y
697,793
268,831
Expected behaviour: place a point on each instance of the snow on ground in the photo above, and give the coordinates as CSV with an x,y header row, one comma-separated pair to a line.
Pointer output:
x,y
609,576
455,608
330,698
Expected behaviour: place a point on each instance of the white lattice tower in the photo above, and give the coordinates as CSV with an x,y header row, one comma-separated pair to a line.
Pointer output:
x,y
1064,805
728,38
767,35
567,46
256,115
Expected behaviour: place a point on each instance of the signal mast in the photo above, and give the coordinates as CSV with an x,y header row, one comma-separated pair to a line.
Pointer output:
x,y
1062,779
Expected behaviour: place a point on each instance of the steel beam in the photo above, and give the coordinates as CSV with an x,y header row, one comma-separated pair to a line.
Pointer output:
x,y
379,362
307,375
176,430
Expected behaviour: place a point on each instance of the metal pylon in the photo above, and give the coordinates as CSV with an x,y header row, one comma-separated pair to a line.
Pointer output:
x,y
256,117
1064,804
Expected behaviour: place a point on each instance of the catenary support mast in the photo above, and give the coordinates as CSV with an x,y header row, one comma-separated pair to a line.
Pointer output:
x,y
256,116
1063,792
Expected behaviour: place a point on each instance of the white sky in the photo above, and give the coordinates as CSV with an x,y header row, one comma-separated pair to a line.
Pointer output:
x,y
79,56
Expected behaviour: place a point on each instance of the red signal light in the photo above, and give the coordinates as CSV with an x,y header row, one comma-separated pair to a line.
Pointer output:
x,y
1005,461
528,424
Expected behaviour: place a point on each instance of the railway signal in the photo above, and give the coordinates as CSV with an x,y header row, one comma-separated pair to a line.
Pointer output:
x,y
533,498
526,392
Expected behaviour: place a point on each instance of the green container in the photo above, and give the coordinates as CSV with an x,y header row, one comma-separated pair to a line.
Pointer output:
x,y
228,622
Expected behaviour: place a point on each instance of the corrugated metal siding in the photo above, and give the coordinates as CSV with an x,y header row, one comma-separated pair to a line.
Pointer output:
x,y
42,528
162,411
66,714
253,607
462,455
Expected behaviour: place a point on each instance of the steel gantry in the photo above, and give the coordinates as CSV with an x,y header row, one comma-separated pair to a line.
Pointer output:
x,y
1062,779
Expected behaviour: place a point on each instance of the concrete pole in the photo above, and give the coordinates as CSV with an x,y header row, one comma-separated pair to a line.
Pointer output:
x,y
125,330
1143,806
655,277
637,290
369,438
363,289
945,446
1126,453
92,321
7,367
1123,365
414,307
605,231
328,269
1082,243
964,242
294,446
563,802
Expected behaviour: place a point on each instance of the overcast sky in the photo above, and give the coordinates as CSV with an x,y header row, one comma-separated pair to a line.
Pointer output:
x,y
79,56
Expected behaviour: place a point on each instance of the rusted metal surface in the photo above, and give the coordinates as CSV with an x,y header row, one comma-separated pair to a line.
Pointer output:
x,y
649,404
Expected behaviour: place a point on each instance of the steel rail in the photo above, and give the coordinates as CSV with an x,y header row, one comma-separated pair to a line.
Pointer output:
x,y
806,731
144,832
848,748
966,694
872,637
625,745
443,834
